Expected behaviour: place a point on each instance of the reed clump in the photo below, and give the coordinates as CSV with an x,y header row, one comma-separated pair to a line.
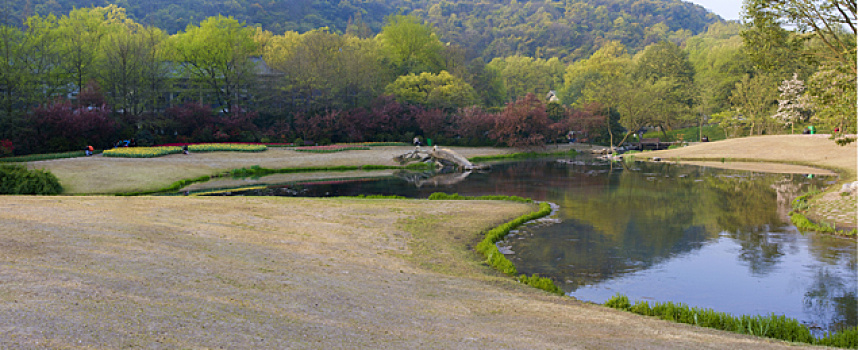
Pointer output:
x,y
772,326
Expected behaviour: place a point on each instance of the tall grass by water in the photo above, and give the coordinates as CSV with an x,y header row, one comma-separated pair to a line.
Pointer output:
x,y
772,326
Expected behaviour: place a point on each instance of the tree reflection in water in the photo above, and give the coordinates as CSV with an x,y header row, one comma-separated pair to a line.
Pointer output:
x,y
702,236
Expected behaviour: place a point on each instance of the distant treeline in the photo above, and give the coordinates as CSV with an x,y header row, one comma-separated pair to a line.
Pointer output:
x,y
569,28
95,75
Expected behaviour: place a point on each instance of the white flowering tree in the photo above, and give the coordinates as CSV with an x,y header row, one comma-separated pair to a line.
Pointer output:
x,y
792,105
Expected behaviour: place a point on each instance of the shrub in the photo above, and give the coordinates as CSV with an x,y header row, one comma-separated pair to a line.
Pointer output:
x,y
6,148
16,179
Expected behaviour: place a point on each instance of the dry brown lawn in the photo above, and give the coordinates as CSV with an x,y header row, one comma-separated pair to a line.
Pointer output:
x,y
815,150
287,273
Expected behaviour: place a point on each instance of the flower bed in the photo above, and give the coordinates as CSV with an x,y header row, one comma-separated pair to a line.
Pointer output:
x,y
269,144
231,147
141,152
152,152
330,148
377,144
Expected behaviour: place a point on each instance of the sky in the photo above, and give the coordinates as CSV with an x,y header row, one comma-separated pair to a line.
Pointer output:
x,y
727,9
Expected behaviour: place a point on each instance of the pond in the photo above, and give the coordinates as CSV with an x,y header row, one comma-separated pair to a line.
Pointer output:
x,y
658,232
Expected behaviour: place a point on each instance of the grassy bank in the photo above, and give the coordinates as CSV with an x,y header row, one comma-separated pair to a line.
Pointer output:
x,y
773,326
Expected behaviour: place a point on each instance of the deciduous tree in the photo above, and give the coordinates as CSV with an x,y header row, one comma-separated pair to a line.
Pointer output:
x,y
754,99
792,104
412,45
523,123
430,90
217,55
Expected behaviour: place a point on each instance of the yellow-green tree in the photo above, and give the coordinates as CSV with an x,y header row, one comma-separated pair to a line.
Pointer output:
x,y
523,75
754,99
133,69
440,90
324,69
80,35
217,56
413,46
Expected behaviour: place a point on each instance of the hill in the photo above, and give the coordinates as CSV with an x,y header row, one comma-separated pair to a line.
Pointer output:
x,y
567,29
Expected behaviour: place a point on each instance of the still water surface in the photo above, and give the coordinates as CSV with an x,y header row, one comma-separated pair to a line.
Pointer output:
x,y
704,237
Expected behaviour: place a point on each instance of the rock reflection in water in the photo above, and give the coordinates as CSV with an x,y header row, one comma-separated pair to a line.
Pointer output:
x,y
432,178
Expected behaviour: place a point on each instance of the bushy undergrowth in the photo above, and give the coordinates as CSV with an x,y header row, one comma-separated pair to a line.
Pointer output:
x,y
16,179
773,326
525,155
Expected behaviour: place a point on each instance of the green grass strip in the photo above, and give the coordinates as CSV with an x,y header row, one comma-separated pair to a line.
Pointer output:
x,y
488,246
257,171
46,156
331,149
800,204
773,326
173,187
525,155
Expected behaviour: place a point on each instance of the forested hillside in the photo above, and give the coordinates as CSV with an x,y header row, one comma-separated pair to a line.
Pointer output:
x,y
518,74
569,29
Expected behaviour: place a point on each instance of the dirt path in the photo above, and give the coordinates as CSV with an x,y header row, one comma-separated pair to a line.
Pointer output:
x,y
240,273
813,150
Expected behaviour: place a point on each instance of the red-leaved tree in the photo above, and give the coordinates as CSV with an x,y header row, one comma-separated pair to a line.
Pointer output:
x,y
61,127
317,127
391,118
473,124
237,125
523,123
191,121
433,122
589,121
